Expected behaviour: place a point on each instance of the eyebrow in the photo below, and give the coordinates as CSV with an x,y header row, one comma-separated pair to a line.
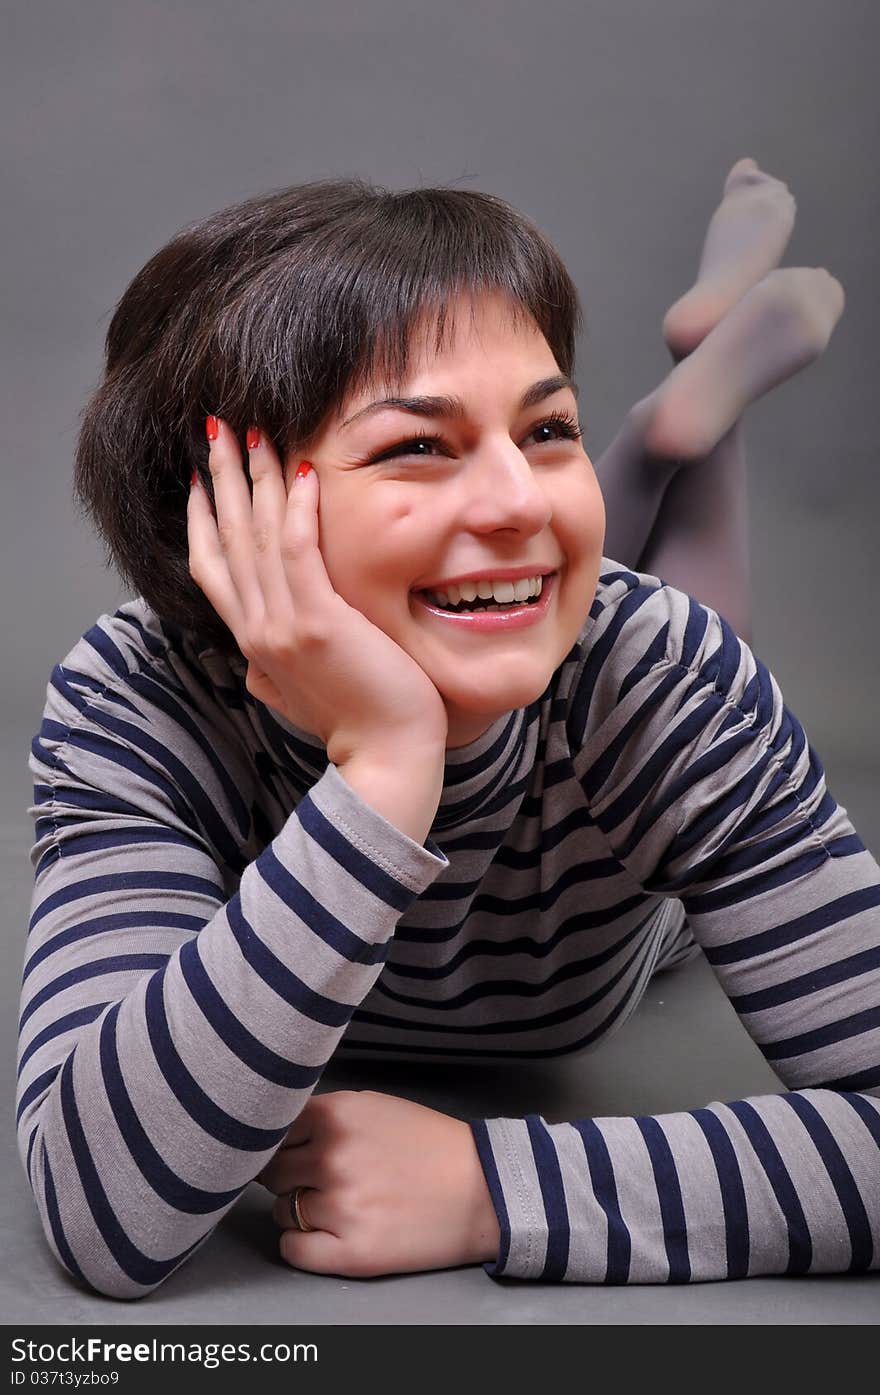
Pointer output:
x,y
454,407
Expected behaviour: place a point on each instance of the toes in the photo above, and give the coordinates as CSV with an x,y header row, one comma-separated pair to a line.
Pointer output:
x,y
804,303
837,294
742,167
747,173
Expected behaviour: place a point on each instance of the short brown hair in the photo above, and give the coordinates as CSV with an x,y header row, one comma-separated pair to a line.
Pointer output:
x,y
271,313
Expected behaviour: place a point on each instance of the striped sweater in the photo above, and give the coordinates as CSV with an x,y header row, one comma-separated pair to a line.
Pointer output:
x,y
216,912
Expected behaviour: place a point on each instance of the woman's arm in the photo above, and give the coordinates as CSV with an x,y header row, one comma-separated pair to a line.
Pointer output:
x,y
706,789
170,1033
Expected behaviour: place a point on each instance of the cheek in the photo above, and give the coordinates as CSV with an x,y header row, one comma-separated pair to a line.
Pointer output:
x,y
581,517
401,514
371,544
596,514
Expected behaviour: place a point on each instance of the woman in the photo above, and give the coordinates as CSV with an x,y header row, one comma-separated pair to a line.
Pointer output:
x,y
292,800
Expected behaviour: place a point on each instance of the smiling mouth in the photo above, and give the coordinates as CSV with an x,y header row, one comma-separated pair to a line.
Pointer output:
x,y
475,606
482,615
438,600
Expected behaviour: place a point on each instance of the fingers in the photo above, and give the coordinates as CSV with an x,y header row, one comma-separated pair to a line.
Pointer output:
x,y
321,1252
208,565
269,508
300,549
312,1206
289,564
260,554
289,1168
234,519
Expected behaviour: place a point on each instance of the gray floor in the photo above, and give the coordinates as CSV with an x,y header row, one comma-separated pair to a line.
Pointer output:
x,y
683,1048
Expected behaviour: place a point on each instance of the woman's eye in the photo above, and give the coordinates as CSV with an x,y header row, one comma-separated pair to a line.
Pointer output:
x,y
422,445
566,426
411,447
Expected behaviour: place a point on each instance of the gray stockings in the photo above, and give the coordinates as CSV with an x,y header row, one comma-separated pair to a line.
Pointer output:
x,y
674,478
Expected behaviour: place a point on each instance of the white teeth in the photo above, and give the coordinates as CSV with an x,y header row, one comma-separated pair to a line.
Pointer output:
x,y
502,591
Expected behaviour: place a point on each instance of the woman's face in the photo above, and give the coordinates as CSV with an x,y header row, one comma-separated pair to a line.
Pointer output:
x,y
501,489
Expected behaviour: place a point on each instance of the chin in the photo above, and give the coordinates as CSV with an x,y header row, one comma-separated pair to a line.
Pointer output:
x,y
491,701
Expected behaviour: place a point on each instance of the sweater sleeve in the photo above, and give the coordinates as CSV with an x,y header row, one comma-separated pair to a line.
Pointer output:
x,y
170,1032
706,789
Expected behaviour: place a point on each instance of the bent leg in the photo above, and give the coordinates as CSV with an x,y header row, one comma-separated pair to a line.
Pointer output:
x,y
674,478
687,523
700,540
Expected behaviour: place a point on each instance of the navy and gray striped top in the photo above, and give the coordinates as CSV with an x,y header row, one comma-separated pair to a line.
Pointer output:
x,y
216,911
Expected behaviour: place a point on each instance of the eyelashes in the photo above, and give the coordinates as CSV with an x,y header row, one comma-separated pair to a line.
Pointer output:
x,y
567,425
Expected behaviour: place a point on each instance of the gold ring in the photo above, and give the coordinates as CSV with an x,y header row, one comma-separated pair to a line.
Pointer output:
x,y
296,1214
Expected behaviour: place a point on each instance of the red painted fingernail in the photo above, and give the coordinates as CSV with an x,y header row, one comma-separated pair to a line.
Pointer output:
x,y
302,470
212,428
195,479
253,438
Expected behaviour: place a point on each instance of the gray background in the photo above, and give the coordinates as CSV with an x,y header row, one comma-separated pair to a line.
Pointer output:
x,y
613,124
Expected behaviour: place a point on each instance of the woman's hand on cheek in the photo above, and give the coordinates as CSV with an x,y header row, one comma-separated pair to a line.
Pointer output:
x,y
391,1188
311,656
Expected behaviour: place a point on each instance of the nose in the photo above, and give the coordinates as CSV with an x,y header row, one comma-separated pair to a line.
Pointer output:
x,y
504,491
